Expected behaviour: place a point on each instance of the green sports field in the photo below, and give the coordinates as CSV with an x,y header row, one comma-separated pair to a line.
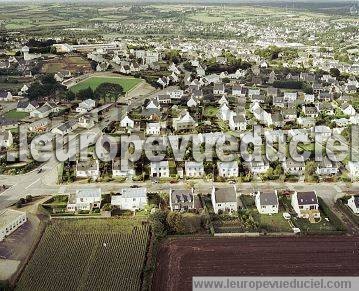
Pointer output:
x,y
94,82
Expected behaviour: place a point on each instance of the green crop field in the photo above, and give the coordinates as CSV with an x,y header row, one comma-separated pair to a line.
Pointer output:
x,y
88,254
94,82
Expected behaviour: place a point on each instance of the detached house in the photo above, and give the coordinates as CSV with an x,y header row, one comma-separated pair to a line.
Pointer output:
x,y
184,122
88,169
181,200
160,169
353,203
194,169
227,169
153,128
130,199
86,105
326,167
65,128
218,89
353,168
122,170
237,122
26,106
305,204
87,121
6,139
224,199
290,97
127,122
267,202
5,96
292,167
84,200
348,109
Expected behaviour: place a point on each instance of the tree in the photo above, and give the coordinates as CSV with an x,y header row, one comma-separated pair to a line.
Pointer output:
x,y
334,72
158,221
108,91
176,222
28,198
85,94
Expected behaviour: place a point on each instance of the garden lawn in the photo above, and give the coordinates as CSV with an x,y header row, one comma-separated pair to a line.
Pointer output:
x,y
94,82
13,114
275,222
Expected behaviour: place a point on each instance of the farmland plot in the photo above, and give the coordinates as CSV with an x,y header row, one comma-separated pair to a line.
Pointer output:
x,y
72,257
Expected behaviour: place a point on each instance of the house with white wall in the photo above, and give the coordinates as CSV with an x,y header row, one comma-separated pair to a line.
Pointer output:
x,y
267,202
227,169
84,199
194,169
6,139
353,203
130,199
305,204
181,199
10,220
160,169
224,199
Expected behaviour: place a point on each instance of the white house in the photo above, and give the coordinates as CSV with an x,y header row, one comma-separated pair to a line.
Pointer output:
x,y
293,167
6,139
353,168
191,102
258,167
86,105
160,169
309,98
267,202
181,200
84,199
123,171
290,97
224,199
348,109
353,203
227,169
305,204
26,106
183,122
39,125
194,169
326,167
127,122
130,199
237,122
153,128
87,121
10,220
224,112
88,169
218,89
261,115
65,128
5,96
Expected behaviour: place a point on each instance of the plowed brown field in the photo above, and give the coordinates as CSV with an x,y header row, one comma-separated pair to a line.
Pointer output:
x,y
180,259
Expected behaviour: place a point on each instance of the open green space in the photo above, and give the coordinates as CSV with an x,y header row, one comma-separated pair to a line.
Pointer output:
x,y
94,82
13,114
